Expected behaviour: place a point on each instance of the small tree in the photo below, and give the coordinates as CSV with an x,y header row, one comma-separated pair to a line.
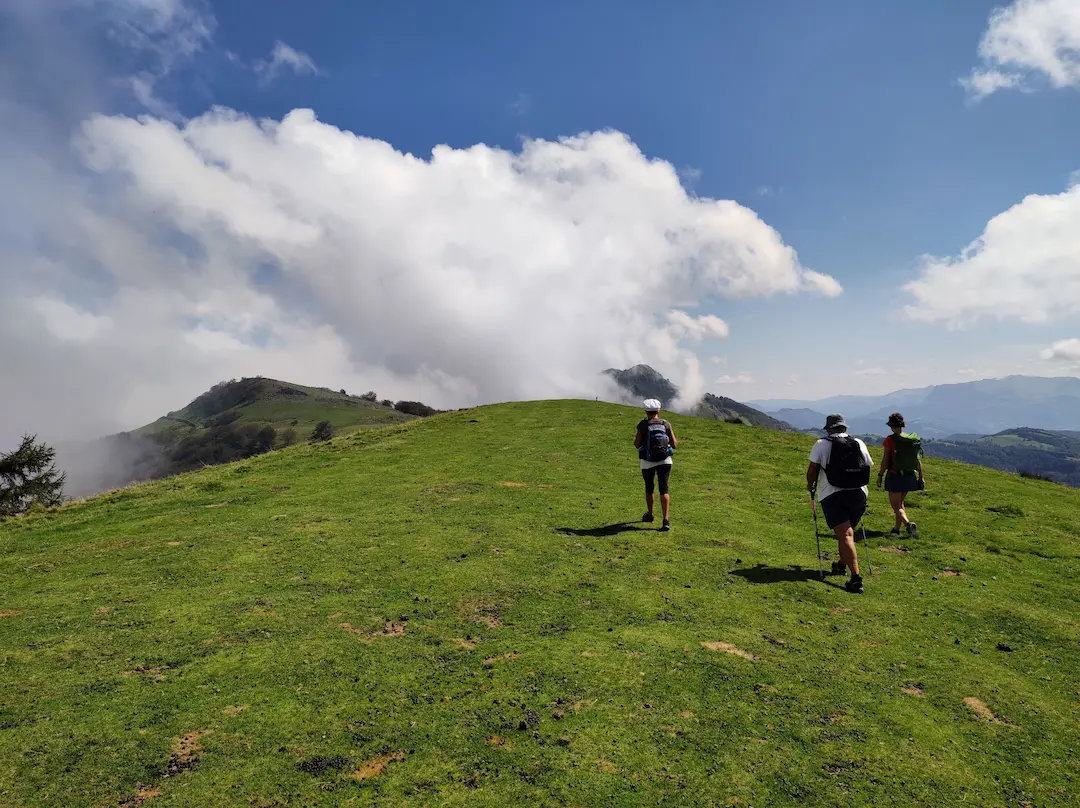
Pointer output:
x,y
264,440
370,396
28,477
288,437
322,431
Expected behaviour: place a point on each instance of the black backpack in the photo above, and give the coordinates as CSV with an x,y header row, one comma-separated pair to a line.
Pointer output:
x,y
657,441
847,468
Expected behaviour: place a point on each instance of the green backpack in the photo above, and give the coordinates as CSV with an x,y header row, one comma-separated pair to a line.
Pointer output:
x,y
907,448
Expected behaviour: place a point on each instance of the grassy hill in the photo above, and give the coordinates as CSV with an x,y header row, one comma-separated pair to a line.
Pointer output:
x,y
1050,454
231,421
462,610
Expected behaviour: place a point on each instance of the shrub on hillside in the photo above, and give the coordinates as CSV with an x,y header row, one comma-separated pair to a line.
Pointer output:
x,y
415,408
288,437
322,431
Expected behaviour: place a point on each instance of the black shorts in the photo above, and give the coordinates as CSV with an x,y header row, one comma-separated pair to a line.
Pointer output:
x,y
844,506
661,474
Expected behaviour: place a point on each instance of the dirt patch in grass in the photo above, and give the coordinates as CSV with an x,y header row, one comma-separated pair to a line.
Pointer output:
x,y
174,543
686,714
728,648
868,644
8,614
235,710
514,485
497,550
545,485
377,765
335,615
481,611
950,573
507,657
216,505
893,549
186,752
141,796
393,629
157,674
606,766
122,544
913,690
978,706
103,609
497,740
466,644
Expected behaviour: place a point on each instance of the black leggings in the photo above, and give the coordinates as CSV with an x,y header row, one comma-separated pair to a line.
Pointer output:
x,y
660,473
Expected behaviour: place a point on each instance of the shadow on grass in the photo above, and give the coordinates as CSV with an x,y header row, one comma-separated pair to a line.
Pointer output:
x,y
606,530
762,574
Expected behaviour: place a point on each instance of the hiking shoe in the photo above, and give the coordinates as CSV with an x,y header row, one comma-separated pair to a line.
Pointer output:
x,y
839,568
894,532
913,530
666,525
647,517
854,584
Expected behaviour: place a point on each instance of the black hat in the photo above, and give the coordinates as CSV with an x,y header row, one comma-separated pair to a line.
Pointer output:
x,y
835,421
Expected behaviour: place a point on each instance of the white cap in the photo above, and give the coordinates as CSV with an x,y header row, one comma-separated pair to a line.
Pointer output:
x,y
651,405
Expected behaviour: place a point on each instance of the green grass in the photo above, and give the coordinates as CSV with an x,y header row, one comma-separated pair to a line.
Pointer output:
x,y
543,660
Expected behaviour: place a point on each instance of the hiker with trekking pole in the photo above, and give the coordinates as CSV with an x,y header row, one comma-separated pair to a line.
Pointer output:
x,y
655,442
839,473
902,470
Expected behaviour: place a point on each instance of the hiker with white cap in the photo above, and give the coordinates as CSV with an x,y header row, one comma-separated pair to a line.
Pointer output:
x,y
839,473
655,442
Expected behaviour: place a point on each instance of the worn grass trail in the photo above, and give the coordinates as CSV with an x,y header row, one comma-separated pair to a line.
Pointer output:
x,y
464,611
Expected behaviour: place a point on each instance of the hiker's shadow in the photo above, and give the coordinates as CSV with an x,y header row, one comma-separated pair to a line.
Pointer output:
x,y
606,530
871,534
776,575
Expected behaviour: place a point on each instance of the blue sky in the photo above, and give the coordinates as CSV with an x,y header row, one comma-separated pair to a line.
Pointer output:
x,y
845,126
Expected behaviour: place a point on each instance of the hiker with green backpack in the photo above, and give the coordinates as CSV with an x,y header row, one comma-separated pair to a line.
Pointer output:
x,y
902,471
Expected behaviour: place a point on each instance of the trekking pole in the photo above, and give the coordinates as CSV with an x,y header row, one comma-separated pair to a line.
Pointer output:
x,y
817,536
866,551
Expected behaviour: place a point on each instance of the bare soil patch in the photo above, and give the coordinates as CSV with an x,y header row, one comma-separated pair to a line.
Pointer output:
x,y
377,765
186,752
216,505
606,766
8,614
393,629
839,610
686,714
157,674
481,611
174,543
507,657
913,690
235,710
950,573
466,644
978,706
728,648
497,740
545,485
514,485
893,549
103,609
141,796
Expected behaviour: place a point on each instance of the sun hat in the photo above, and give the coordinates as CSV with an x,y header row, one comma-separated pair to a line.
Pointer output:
x,y
651,405
834,421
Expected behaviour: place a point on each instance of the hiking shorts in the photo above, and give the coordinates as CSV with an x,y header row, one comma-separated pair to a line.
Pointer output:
x,y
660,474
844,506
902,482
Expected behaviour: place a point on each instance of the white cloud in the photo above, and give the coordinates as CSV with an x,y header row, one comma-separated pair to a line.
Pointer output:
x,y
228,246
1029,37
285,57
1025,265
718,360
685,326
870,373
742,378
1066,350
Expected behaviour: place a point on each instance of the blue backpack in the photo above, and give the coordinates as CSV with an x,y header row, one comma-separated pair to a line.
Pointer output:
x,y
656,445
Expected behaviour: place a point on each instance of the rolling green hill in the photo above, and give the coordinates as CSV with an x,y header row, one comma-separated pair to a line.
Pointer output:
x,y
231,421
1049,454
464,611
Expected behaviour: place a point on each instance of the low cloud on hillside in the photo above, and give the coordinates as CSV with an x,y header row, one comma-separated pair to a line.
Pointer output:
x,y
146,259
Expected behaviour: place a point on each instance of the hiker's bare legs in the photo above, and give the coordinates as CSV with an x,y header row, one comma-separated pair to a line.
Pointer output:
x,y
845,540
896,499
665,503
649,502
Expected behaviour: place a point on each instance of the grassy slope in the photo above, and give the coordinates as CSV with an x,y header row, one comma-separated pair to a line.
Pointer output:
x,y
345,413
122,643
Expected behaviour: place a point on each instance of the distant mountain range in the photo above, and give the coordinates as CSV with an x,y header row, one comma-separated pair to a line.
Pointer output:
x,y
985,407
642,381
